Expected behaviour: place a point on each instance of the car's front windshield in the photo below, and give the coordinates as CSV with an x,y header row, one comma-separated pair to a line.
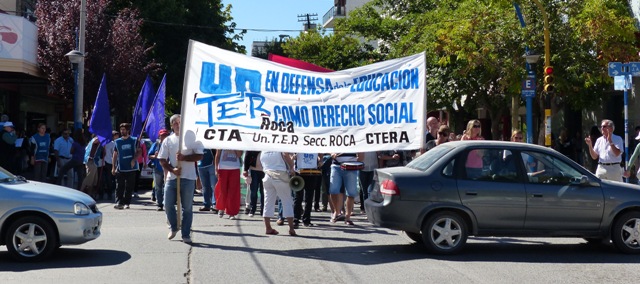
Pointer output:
x,y
426,160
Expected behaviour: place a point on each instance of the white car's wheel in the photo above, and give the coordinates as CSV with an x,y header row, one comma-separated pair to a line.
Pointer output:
x,y
626,233
31,238
445,233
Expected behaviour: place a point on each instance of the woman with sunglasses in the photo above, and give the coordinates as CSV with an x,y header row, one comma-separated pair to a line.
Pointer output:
x,y
474,162
441,137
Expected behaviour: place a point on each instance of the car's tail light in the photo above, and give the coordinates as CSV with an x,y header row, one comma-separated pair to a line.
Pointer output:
x,y
389,187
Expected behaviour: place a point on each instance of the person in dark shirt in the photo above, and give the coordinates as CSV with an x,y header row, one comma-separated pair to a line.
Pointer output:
x,y
442,137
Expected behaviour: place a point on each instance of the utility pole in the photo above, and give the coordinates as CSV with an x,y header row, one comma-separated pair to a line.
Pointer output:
x,y
307,19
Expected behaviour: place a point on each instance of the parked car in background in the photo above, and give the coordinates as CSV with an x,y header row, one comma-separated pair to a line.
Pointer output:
x,y
493,188
37,218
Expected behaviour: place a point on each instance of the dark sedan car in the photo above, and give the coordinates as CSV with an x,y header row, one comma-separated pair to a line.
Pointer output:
x,y
494,188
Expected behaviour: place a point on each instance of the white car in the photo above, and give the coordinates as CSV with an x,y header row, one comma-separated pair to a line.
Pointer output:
x,y
37,218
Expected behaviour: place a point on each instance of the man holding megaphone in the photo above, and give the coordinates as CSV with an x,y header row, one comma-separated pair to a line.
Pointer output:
x,y
308,167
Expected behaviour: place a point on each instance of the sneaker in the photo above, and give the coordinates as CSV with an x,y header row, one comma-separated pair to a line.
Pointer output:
x,y
280,222
247,210
153,198
186,240
118,206
324,208
127,206
340,218
172,234
232,217
220,213
250,214
159,208
215,211
204,209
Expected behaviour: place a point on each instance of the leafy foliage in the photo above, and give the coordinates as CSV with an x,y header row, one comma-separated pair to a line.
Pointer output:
x,y
474,48
113,46
170,24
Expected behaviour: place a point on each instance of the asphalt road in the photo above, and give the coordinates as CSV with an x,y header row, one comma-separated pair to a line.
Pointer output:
x,y
133,249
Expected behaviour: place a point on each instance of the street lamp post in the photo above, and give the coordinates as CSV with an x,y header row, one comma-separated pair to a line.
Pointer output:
x,y
76,57
531,59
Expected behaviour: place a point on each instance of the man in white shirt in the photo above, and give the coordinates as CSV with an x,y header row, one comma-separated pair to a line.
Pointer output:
x,y
179,163
608,151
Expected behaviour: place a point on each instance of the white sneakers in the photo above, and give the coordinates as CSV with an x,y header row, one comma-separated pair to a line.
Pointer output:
x,y
172,234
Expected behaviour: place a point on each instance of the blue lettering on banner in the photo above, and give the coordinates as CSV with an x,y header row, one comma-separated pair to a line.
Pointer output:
x,y
224,105
230,105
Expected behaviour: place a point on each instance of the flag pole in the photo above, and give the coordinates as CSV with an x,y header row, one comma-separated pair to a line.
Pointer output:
x,y
181,134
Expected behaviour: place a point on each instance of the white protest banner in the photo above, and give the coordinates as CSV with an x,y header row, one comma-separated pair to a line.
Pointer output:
x,y
234,101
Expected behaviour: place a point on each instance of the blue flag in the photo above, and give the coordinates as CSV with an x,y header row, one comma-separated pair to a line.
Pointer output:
x,y
140,112
100,123
155,119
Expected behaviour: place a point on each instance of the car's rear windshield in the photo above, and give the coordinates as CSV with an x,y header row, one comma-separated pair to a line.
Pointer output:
x,y
427,159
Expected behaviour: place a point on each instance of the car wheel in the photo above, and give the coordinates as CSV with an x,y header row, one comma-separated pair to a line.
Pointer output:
x,y
444,233
626,233
416,237
31,238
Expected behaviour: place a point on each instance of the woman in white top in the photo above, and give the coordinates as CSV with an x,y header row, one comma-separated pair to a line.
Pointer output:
x,y
277,167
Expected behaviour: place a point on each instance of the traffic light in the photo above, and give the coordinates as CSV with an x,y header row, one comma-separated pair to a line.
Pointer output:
x,y
548,79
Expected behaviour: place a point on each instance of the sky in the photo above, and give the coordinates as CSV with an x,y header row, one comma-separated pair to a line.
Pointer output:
x,y
276,16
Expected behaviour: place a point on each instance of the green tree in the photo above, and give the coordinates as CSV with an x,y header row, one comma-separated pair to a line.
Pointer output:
x,y
336,51
170,24
474,47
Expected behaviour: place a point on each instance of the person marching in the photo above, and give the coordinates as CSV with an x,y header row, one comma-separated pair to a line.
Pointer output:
x,y
342,173
277,167
40,143
125,167
308,166
159,173
179,163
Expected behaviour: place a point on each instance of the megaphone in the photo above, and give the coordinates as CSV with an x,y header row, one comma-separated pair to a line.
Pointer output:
x,y
296,183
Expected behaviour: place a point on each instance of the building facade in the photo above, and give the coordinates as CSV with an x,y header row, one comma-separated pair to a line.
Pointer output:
x,y
25,93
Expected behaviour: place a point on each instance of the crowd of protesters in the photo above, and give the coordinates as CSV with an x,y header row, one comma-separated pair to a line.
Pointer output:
x,y
333,182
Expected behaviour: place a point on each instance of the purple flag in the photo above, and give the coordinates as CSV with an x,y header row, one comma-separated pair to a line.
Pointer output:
x,y
140,112
100,123
155,119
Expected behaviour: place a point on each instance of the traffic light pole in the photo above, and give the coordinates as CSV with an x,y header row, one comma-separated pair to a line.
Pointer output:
x,y
547,62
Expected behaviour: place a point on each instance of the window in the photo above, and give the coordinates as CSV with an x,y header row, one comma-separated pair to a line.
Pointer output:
x,y
547,169
497,165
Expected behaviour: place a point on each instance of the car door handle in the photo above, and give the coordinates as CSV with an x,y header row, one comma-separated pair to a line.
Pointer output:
x,y
471,193
537,195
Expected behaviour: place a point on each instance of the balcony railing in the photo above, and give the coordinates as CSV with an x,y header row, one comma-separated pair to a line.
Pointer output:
x,y
335,11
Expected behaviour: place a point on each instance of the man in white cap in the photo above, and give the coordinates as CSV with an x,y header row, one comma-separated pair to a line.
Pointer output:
x,y
8,147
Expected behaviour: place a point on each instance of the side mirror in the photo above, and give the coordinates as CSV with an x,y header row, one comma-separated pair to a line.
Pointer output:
x,y
583,180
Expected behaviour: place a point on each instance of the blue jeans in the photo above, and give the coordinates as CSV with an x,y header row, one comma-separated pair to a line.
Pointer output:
x,y
158,187
255,186
187,187
208,179
340,177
